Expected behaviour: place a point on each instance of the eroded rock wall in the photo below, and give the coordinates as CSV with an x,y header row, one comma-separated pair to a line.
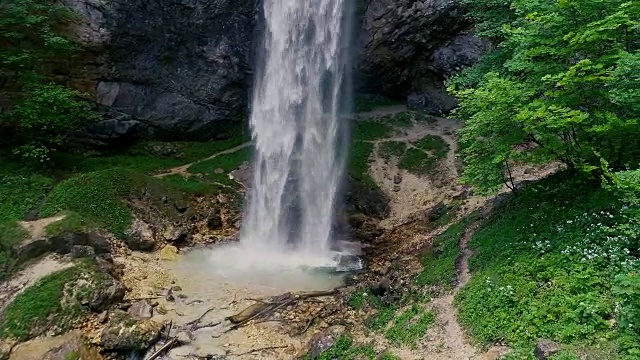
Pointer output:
x,y
181,69
171,68
410,47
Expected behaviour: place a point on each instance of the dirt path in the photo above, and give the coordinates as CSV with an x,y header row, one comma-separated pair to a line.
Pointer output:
x,y
184,169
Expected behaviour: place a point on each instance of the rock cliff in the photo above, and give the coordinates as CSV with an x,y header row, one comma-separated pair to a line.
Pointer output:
x,y
173,68
181,69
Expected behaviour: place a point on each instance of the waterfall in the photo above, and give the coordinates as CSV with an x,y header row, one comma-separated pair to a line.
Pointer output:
x,y
300,91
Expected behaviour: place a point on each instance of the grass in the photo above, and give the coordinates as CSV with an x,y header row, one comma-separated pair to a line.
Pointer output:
x,y
439,261
359,163
152,156
72,222
100,196
39,307
418,162
389,149
345,349
370,130
410,326
226,162
546,263
425,157
435,145
403,119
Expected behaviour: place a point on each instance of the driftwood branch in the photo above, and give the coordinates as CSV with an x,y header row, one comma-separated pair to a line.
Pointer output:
x,y
164,348
265,307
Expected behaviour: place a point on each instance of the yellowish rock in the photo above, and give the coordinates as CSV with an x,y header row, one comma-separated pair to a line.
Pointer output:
x,y
169,252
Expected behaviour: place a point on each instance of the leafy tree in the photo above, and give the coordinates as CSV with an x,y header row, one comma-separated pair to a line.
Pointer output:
x,y
36,117
563,85
44,118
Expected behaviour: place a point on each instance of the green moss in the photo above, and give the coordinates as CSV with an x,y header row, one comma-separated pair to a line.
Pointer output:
x,y
370,130
39,307
99,197
418,162
440,260
21,193
72,222
226,162
359,163
402,120
434,145
389,149
72,356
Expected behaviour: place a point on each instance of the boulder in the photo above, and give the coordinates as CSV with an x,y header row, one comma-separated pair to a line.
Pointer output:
x,y
169,252
123,332
545,349
97,291
141,310
67,242
141,236
322,341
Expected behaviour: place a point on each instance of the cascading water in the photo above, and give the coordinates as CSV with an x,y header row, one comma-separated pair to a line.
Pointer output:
x,y
299,94
300,90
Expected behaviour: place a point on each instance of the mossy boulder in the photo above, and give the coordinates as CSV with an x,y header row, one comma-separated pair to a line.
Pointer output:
x,y
59,302
123,332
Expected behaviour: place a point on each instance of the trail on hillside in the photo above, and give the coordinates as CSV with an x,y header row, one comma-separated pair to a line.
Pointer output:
x,y
184,169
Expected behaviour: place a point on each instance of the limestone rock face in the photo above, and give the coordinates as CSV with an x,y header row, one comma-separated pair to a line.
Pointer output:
x,y
410,47
168,68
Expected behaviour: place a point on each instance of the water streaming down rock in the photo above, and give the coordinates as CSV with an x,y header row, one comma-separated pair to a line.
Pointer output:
x,y
300,90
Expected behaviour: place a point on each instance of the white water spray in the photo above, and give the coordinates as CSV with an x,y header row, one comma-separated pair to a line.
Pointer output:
x,y
298,97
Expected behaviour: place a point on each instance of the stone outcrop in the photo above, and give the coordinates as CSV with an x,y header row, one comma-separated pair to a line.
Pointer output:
x,y
410,47
181,69
168,68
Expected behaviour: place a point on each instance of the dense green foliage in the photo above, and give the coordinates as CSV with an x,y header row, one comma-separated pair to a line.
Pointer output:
x,y
35,308
41,115
553,263
563,85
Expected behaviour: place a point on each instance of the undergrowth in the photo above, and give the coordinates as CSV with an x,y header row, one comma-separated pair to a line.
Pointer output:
x,y
100,196
39,307
439,261
558,261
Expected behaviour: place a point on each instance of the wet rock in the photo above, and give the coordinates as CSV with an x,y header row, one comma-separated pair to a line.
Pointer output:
x,y
322,341
123,332
141,310
214,221
348,263
243,174
545,349
381,288
364,228
437,212
181,207
169,252
369,201
97,291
